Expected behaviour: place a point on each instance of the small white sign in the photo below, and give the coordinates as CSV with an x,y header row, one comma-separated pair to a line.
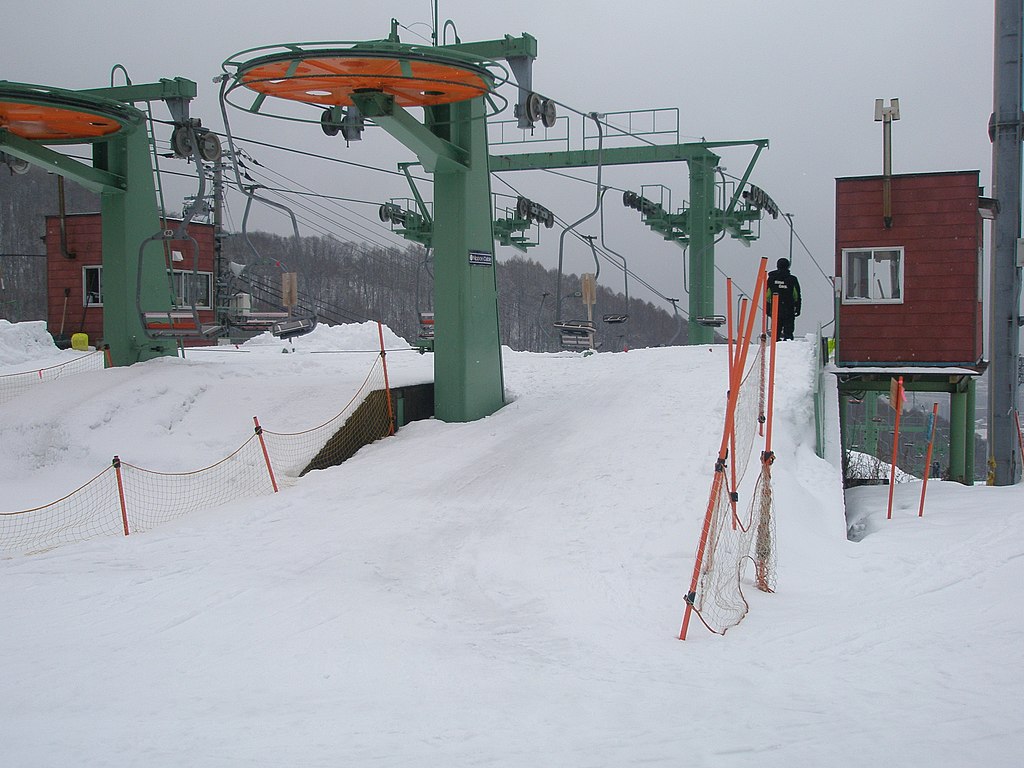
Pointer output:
x,y
481,259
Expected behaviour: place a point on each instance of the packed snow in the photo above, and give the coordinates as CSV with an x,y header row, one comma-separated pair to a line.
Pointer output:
x,y
506,592
22,343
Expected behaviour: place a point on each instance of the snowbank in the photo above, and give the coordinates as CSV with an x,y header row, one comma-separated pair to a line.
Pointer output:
x,y
25,342
500,593
325,338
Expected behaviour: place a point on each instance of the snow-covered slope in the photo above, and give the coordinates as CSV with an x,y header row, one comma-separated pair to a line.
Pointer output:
x,y
505,592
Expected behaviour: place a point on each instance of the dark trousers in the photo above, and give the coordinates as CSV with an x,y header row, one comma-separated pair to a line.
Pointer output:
x,y
784,327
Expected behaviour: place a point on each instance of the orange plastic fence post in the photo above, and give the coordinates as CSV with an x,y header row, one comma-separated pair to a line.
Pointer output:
x,y
716,485
771,378
735,380
266,456
120,493
728,314
898,405
106,356
732,375
716,489
763,311
387,386
928,456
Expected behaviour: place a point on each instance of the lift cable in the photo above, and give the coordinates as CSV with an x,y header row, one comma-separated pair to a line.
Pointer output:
x,y
243,140
330,215
318,228
362,234
601,251
796,234
364,251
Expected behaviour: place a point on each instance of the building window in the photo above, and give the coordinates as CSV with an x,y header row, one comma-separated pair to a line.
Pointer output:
x,y
192,288
92,286
873,275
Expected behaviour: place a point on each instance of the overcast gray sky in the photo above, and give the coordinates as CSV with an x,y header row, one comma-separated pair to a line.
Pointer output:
x,y
802,73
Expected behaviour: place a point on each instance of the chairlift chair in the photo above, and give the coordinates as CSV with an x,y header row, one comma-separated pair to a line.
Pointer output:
x,y
711,321
178,324
426,325
182,322
293,326
425,337
576,334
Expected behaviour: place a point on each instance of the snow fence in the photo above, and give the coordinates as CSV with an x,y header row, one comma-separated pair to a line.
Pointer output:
x,y
14,384
125,499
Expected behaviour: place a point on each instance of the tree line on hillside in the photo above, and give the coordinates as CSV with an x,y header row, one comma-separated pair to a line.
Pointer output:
x,y
26,199
343,281
355,281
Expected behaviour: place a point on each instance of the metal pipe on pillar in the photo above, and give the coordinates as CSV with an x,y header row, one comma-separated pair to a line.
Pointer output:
x,y
1005,311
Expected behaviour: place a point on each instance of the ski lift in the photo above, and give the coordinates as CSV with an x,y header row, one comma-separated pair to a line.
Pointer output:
x,y
289,327
426,325
180,322
711,321
576,334
425,337
293,326
614,319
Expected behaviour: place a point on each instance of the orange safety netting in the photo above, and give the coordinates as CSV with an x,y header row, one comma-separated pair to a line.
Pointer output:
x,y
363,420
125,498
14,384
735,534
90,511
730,537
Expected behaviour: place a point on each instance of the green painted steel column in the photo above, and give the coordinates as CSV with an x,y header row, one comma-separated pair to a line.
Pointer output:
x,y
971,402
957,435
468,380
452,145
702,245
129,218
845,439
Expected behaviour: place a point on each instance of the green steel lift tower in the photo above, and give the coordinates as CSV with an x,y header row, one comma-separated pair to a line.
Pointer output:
x,y
32,117
380,81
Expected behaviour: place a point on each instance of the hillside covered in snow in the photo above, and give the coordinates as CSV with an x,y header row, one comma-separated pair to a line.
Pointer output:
x,y
505,592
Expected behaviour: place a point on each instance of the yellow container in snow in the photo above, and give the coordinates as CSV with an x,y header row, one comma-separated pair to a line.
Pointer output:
x,y
80,342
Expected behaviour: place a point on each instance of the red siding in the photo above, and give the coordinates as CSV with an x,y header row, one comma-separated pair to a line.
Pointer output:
x,y
936,221
65,290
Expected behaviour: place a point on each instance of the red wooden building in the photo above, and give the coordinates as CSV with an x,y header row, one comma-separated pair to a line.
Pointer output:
x,y
75,274
910,293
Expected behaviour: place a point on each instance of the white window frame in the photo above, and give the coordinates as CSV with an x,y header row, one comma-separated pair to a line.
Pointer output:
x,y
874,294
179,276
98,269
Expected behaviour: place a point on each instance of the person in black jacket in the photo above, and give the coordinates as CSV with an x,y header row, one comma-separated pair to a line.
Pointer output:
x,y
782,283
